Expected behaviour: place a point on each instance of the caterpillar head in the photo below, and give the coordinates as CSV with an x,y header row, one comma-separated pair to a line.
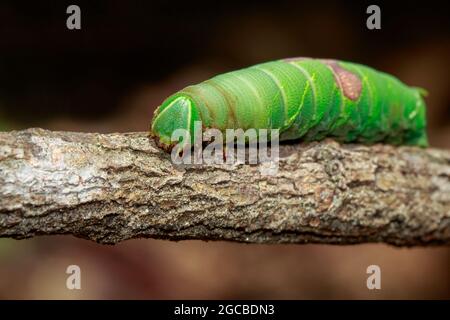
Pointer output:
x,y
173,122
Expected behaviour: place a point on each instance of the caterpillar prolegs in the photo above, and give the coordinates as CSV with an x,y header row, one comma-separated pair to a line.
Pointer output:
x,y
304,98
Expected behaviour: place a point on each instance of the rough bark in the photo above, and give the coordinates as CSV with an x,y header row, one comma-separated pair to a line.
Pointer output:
x,y
113,187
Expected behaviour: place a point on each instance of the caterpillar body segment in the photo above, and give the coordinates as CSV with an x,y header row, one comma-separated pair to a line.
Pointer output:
x,y
304,98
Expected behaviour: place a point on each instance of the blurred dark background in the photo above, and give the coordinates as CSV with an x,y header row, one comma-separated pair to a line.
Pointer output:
x,y
129,55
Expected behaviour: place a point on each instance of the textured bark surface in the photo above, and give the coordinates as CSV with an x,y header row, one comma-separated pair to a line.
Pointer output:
x,y
113,187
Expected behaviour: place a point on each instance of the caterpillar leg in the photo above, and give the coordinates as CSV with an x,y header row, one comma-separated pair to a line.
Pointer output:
x,y
420,140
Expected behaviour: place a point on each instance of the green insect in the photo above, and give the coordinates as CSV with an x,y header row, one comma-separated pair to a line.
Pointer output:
x,y
304,98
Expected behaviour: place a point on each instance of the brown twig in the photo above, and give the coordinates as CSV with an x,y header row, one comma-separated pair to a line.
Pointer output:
x,y
113,187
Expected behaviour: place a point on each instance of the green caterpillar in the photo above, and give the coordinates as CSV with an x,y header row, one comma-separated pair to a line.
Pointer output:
x,y
303,98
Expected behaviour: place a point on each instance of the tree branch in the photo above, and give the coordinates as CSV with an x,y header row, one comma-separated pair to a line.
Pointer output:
x,y
113,187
